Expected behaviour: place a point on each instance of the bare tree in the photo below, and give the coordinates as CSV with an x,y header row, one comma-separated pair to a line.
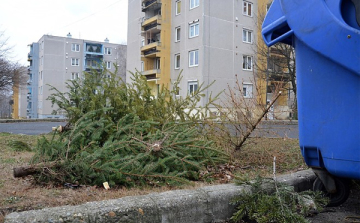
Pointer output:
x,y
10,72
238,114
276,65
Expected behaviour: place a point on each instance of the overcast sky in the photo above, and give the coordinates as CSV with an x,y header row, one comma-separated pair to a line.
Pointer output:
x,y
26,21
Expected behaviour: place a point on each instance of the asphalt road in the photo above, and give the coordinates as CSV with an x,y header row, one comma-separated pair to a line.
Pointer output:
x,y
29,128
267,129
347,212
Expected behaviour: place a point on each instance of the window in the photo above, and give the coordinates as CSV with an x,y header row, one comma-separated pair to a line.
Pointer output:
x,y
176,88
177,7
75,76
193,58
75,47
247,10
177,34
108,65
192,87
247,36
157,63
177,61
143,42
248,90
41,90
107,51
91,63
142,66
247,62
74,62
194,4
193,30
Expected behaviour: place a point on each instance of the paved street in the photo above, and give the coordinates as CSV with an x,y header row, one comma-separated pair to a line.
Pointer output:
x,y
29,128
267,129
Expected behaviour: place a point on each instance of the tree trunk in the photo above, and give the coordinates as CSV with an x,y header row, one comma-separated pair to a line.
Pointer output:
x,y
33,169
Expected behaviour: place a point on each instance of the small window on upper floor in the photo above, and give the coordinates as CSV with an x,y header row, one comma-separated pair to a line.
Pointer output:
x,y
192,87
107,51
194,4
177,7
247,90
177,34
75,76
75,62
247,62
247,36
193,30
247,8
75,47
177,61
193,58
108,65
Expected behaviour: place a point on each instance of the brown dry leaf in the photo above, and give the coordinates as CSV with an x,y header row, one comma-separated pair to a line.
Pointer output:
x,y
112,214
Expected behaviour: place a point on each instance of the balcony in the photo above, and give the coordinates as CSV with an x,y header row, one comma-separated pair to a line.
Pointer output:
x,y
151,5
29,82
152,72
29,57
94,49
151,21
156,27
151,49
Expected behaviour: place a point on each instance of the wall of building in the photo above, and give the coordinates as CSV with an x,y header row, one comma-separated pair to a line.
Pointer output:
x,y
135,16
54,66
220,44
33,72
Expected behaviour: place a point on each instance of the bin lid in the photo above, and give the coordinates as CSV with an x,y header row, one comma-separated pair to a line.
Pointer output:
x,y
318,24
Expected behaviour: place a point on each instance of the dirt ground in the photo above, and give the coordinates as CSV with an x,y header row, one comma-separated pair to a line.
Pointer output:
x,y
20,194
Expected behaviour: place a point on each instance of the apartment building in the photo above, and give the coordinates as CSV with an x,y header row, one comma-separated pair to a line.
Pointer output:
x,y
275,68
55,60
204,40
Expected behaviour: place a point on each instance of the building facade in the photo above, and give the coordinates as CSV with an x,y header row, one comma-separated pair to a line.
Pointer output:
x,y
204,40
55,60
275,66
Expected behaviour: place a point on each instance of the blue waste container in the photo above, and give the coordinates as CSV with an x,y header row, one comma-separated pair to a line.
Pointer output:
x,y
326,38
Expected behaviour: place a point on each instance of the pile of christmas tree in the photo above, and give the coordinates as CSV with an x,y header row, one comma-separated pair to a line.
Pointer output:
x,y
122,134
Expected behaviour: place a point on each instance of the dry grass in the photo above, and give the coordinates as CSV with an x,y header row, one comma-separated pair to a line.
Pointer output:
x,y
19,194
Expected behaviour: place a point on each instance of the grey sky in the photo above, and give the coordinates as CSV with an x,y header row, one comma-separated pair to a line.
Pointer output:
x,y
25,21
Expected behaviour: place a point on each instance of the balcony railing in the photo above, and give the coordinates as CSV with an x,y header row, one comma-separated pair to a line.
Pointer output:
x,y
151,51
153,25
151,72
148,21
151,3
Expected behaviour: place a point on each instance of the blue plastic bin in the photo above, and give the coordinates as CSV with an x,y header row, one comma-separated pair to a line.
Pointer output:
x,y
326,37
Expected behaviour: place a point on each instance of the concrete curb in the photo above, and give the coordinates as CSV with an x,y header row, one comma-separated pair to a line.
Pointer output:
x,y
207,204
